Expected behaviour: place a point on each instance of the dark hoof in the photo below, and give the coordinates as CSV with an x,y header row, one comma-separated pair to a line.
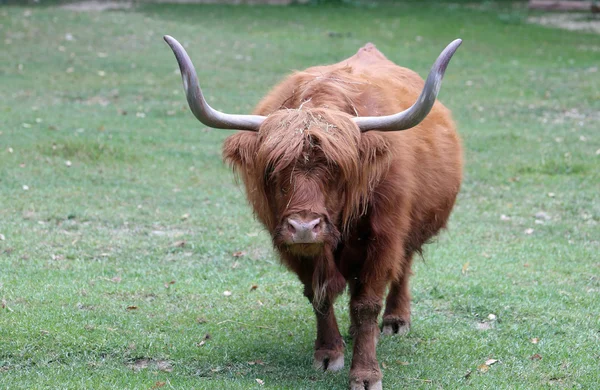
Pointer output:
x,y
395,326
328,360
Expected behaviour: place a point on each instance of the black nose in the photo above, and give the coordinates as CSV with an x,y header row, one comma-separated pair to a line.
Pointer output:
x,y
304,232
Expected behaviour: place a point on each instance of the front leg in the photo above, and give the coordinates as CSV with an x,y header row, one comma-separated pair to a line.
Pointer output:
x,y
365,304
329,345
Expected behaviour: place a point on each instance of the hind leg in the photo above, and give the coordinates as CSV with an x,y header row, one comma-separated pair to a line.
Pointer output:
x,y
396,317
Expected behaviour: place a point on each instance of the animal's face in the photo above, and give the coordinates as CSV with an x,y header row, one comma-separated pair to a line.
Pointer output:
x,y
304,199
304,173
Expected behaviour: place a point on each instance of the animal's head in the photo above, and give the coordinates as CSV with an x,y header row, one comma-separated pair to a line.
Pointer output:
x,y
308,172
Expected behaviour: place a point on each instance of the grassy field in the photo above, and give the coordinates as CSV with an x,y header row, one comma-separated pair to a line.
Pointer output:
x,y
121,229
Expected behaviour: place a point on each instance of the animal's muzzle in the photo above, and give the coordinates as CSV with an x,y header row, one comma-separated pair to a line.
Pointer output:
x,y
304,231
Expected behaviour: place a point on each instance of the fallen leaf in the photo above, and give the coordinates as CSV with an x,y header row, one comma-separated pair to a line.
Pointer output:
x,y
483,368
254,286
383,365
168,284
537,356
201,320
179,244
535,340
489,362
201,343
132,307
239,254
158,385
260,381
465,268
227,293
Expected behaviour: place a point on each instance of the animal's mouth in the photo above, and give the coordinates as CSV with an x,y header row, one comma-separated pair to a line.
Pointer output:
x,y
305,249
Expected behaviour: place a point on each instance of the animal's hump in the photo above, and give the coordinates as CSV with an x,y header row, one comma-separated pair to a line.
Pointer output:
x,y
370,50
366,56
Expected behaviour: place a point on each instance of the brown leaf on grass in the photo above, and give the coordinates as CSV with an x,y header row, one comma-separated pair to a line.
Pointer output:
x,y
239,254
402,363
536,356
132,307
535,340
260,381
158,385
253,287
483,368
168,284
465,268
383,365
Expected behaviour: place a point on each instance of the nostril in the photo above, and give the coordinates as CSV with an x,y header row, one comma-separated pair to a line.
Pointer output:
x,y
291,225
314,225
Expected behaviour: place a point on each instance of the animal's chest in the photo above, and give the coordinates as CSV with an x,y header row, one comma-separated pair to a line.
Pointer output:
x,y
351,253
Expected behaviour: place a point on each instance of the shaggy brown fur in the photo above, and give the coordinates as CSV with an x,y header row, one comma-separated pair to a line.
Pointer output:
x,y
382,194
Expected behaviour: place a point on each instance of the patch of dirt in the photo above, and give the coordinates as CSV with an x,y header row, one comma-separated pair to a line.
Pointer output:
x,y
96,6
572,21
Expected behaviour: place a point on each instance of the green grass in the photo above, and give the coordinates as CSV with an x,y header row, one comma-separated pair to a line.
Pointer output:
x,y
147,201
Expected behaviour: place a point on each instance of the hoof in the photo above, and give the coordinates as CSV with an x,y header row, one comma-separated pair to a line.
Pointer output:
x,y
328,360
395,326
365,385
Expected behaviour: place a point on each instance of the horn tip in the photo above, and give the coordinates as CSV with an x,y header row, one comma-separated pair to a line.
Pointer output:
x,y
169,39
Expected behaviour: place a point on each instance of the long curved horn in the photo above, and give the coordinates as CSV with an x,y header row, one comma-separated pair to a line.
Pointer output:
x,y
418,111
205,113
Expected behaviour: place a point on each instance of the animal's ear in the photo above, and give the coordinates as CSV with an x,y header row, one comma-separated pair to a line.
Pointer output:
x,y
239,150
